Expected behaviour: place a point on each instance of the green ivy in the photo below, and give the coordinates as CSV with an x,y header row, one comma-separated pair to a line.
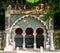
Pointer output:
x,y
54,4
55,8
32,1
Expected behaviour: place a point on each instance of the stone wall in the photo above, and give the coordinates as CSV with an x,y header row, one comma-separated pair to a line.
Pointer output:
x,y
2,40
57,39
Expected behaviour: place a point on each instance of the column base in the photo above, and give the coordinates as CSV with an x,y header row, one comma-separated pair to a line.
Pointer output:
x,y
24,46
41,49
8,48
48,47
34,45
52,48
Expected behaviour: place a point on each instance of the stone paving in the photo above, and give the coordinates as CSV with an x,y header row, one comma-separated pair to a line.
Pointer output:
x,y
30,51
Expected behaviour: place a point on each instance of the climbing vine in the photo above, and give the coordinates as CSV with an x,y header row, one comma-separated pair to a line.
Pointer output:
x,y
54,7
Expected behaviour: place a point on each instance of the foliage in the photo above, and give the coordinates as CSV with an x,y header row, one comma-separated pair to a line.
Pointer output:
x,y
54,4
55,8
32,1
56,39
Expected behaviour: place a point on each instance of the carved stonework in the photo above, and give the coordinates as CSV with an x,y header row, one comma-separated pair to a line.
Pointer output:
x,y
6,22
28,8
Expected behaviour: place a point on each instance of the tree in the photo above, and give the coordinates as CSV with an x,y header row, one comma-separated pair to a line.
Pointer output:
x,y
55,8
32,1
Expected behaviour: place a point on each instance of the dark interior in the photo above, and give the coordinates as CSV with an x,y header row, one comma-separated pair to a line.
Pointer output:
x,y
29,38
39,38
18,37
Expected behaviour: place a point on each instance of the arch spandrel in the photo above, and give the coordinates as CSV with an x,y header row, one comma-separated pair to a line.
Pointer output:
x,y
31,16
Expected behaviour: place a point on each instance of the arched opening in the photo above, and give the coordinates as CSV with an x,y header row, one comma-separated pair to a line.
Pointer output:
x,y
29,31
18,31
18,37
29,38
39,38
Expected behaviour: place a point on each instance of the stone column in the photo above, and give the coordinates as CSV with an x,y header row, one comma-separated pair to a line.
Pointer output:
x,y
7,19
51,25
34,39
45,40
51,39
24,39
7,40
7,37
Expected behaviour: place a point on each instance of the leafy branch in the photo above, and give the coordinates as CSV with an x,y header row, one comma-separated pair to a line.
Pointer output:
x,y
55,8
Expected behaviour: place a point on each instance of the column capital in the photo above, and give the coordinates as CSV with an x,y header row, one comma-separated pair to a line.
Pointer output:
x,y
7,31
51,31
34,34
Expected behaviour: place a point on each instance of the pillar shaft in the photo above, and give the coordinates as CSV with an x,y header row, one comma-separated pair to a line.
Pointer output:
x,y
51,25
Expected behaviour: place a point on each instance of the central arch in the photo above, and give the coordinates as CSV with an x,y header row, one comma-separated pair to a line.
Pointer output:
x,y
29,37
29,31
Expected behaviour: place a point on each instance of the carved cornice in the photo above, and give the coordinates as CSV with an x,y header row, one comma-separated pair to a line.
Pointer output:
x,y
26,12
24,9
